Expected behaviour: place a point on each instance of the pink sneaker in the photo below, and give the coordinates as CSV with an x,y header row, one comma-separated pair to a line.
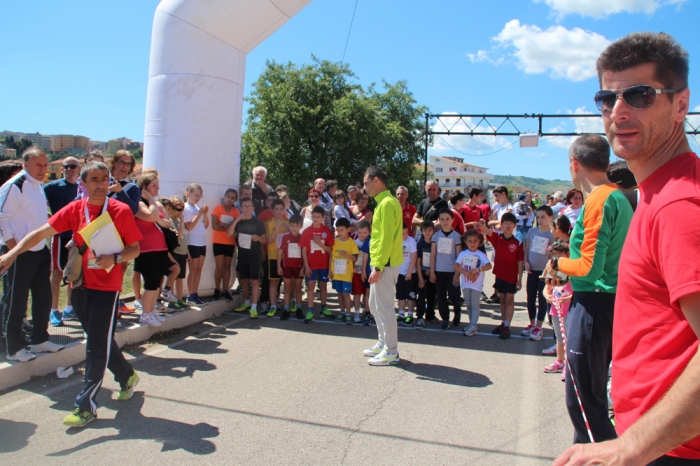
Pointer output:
x,y
527,331
536,333
556,366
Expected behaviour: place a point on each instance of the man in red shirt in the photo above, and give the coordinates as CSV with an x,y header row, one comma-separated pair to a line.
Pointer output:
x,y
96,301
408,210
656,366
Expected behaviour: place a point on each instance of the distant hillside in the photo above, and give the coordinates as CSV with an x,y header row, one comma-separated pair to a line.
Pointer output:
x,y
538,185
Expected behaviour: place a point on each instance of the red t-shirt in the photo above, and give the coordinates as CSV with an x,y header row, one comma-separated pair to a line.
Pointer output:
x,y
288,261
408,212
72,217
508,253
660,264
318,259
485,211
470,214
457,222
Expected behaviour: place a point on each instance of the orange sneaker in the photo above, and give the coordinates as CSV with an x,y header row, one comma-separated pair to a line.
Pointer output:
x,y
124,309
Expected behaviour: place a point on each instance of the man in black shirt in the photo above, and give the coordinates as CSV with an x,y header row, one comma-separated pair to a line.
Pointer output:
x,y
430,206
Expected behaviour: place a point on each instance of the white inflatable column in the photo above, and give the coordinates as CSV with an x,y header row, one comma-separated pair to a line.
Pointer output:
x,y
194,103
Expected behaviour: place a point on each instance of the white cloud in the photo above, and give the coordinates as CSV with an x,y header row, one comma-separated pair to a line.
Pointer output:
x,y
580,125
484,56
470,144
602,8
565,53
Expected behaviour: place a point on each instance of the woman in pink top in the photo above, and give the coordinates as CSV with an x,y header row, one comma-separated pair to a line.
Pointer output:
x,y
153,261
360,210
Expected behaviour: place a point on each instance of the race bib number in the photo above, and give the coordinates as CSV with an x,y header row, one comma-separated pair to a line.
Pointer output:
x,y
539,245
226,219
425,259
470,262
244,241
444,245
315,247
340,266
294,251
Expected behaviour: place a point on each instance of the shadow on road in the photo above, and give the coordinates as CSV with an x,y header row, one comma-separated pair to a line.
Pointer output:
x,y
169,367
132,425
15,435
445,374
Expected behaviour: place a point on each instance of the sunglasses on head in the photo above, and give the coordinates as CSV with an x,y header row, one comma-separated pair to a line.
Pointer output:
x,y
636,97
179,210
71,166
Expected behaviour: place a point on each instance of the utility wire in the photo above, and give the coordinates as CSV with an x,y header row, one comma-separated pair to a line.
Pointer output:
x,y
349,30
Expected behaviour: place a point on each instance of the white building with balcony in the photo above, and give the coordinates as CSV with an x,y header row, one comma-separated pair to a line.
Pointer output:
x,y
455,175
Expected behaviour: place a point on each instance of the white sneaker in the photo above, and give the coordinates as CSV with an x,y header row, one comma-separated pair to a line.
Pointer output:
x,y
22,356
536,334
46,347
161,318
551,351
149,319
471,331
137,305
357,319
373,351
527,331
168,296
159,306
385,359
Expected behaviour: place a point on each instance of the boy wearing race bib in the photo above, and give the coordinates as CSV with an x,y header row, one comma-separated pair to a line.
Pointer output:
x,y
345,254
289,267
316,246
404,284
224,245
425,289
360,285
471,265
536,255
250,236
274,228
446,246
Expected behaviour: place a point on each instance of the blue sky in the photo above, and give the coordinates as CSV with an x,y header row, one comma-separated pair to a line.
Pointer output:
x,y
81,66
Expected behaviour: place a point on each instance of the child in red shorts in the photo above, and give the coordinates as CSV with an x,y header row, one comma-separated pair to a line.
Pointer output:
x,y
289,265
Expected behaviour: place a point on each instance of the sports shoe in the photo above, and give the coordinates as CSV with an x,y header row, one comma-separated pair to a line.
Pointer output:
x,y
226,296
127,390
470,331
483,296
253,313
385,359
69,314
150,320
285,315
455,323
168,296
21,356
556,366
357,318
373,351
551,351
46,347
199,301
527,330
326,313
408,321
400,318
498,330
495,299
536,334
505,333
55,318
293,306
272,312
79,418
137,305
158,316
299,314
176,306
123,308
309,317
368,319
348,319
242,308
217,295
159,306
444,326
341,317
420,324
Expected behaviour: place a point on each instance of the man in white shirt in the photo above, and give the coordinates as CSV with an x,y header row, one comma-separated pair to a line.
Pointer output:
x,y
560,204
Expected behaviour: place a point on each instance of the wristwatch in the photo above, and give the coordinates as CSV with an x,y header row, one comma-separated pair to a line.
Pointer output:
x,y
376,269
117,258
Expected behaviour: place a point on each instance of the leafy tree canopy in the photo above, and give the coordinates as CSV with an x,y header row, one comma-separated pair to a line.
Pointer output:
x,y
313,121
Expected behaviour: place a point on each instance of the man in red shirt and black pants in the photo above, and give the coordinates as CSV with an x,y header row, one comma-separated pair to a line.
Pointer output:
x,y
644,100
96,301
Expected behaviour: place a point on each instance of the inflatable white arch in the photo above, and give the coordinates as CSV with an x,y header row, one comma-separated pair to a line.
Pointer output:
x,y
194,104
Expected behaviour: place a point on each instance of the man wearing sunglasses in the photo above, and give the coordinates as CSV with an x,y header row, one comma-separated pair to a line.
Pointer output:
x,y
59,194
656,367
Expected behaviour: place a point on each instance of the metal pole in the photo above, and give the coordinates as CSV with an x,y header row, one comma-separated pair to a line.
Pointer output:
x,y
425,165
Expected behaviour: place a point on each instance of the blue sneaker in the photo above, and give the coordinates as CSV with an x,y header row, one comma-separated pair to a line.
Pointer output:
x,y
197,299
55,318
69,315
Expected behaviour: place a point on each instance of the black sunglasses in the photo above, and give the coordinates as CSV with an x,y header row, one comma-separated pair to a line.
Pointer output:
x,y
637,97
71,166
179,210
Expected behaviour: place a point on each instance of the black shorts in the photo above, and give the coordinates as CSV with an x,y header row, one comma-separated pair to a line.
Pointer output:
x,y
152,265
404,288
223,249
181,260
197,251
248,267
272,269
503,286
59,253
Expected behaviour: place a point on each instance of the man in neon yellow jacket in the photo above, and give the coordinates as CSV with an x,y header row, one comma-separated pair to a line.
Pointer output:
x,y
386,255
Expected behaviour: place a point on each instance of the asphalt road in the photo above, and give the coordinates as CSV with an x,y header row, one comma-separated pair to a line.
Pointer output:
x,y
240,391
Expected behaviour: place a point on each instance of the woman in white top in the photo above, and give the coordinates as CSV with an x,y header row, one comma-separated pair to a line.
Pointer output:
x,y
314,201
500,207
574,198
196,224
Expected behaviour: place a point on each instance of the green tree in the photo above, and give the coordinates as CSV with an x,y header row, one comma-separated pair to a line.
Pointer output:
x,y
310,121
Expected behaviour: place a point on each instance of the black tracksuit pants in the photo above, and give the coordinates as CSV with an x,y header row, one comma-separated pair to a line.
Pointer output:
x,y
445,289
97,312
31,271
423,294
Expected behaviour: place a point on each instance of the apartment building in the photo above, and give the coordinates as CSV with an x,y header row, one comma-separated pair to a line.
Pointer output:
x,y
454,175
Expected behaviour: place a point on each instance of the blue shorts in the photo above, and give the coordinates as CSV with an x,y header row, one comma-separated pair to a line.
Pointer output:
x,y
342,287
320,275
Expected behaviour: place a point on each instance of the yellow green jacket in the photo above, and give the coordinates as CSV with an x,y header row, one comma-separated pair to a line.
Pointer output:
x,y
386,243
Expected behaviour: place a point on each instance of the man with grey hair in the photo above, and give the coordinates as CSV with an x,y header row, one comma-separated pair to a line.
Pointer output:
x,y
260,189
22,210
326,200
560,204
430,206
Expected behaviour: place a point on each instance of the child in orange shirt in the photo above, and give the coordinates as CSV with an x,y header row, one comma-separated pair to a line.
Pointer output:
x,y
224,246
